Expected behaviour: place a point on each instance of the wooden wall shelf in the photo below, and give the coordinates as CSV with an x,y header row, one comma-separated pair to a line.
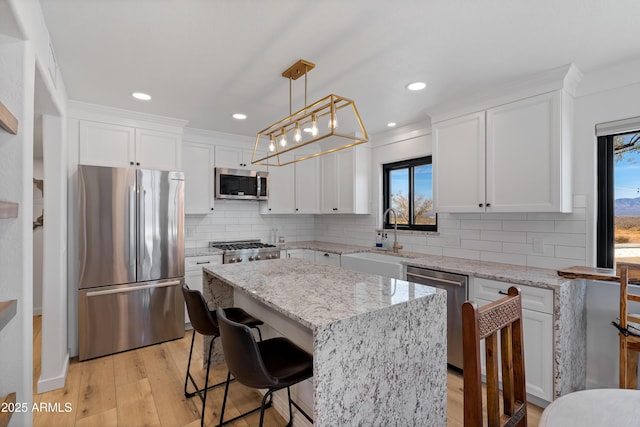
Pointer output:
x,y
8,121
8,209
7,311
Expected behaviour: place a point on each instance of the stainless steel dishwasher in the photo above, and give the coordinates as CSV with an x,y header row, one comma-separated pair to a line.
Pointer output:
x,y
456,286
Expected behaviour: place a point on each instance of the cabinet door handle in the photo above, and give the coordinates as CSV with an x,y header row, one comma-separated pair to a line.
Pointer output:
x,y
203,262
502,293
326,254
480,205
488,204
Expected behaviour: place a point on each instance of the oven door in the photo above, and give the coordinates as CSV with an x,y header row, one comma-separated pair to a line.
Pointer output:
x,y
241,184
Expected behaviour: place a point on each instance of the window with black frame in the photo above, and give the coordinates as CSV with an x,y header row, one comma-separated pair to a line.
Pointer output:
x,y
618,224
408,190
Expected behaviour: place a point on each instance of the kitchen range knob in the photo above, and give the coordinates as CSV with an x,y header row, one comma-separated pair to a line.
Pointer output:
x,y
250,257
257,258
232,260
238,259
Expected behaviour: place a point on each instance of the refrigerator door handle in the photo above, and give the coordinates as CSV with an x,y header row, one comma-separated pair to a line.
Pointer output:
x,y
132,288
132,225
142,232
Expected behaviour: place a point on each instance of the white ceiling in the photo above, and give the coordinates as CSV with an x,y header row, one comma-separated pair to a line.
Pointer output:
x,y
203,60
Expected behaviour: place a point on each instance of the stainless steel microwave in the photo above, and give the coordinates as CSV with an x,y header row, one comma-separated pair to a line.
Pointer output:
x,y
240,184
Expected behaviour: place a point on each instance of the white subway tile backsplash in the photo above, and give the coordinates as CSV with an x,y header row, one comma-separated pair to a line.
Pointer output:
x,y
477,224
527,226
470,234
527,249
461,253
579,201
504,258
570,227
571,252
549,262
481,245
512,216
504,236
567,239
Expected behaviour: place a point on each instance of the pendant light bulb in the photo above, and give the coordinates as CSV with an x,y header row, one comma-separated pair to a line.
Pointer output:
x,y
333,123
314,126
283,139
298,135
272,146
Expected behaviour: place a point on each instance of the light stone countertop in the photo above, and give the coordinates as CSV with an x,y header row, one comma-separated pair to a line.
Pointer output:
x,y
317,294
193,252
517,274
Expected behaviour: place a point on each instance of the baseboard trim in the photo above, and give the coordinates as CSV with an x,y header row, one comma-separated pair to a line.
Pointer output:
x,y
54,383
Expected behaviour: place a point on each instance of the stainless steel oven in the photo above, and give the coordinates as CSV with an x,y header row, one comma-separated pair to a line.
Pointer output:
x,y
240,184
456,286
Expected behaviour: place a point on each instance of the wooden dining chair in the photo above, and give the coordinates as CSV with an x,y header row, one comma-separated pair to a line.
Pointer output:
x,y
629,336
504,316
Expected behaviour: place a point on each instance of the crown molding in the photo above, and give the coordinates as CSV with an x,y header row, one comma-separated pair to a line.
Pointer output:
x,y
566,77
401,133
87,111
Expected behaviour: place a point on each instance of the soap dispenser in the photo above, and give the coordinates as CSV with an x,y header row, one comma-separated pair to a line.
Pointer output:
x,y
379,240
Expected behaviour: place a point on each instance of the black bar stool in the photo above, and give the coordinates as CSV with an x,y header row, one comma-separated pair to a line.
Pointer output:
x,y
204,322
273,364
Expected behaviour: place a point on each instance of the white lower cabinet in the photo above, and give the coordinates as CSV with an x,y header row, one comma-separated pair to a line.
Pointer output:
x,y
193,273
537,316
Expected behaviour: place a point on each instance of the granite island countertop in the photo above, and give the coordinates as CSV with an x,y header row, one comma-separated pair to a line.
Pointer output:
x,y
317,294
378,344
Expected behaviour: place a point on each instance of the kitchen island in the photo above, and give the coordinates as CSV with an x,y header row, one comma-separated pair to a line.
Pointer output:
x,y
379,344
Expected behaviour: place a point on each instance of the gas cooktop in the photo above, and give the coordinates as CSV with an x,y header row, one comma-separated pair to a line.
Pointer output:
x,y
246,250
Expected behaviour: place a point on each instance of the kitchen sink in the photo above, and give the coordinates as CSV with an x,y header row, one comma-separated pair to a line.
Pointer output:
x,y
375,263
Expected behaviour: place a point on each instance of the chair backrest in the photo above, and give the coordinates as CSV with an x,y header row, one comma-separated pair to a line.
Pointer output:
x,y
505,316
627,271
242,354
199,314
629,342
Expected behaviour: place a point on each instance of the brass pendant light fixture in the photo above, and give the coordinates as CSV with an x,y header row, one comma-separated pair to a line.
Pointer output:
x,y
327,125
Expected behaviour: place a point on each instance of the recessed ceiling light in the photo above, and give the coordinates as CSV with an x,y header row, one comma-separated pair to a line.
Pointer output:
x,y
141,96
416,86
391,124
239,116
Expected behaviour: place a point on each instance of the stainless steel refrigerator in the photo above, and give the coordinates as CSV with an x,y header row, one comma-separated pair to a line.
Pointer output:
x,y
131,229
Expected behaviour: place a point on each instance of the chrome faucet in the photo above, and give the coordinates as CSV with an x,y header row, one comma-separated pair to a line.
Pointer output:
x,y
396,246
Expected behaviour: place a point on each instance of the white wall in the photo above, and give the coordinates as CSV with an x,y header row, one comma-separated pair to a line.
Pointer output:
x,y
38,207
17,65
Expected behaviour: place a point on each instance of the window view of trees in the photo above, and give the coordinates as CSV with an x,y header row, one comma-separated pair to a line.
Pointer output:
x,y
626,205
409,191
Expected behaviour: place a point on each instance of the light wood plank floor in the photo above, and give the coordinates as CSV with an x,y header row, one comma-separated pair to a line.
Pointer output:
x,y
143,387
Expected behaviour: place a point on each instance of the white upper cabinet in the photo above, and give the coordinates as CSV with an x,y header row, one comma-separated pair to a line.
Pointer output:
x,y
198,161
511,158
509,152
281,189
459,164
106,144
235,158
158,150
307,185
344,181
524,156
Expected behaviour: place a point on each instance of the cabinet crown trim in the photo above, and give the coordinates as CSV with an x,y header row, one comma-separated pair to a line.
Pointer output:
x,y
564,78
101,113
